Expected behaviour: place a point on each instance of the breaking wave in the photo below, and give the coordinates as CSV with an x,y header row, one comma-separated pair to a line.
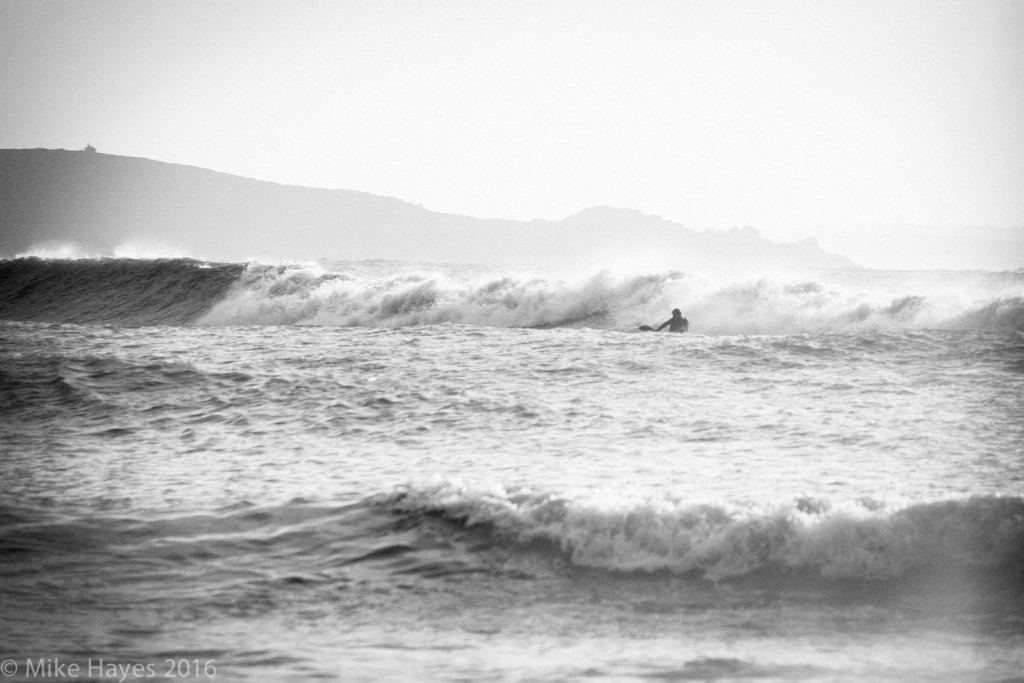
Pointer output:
x,y
445,530
391,294
866,539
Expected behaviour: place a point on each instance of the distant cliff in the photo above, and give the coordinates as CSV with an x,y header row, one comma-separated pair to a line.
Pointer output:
x,y
100,202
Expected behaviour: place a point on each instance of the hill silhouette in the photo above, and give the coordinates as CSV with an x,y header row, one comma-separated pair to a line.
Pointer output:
x,y
100,202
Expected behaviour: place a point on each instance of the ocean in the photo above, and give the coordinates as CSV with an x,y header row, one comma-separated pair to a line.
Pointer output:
x,y
389,471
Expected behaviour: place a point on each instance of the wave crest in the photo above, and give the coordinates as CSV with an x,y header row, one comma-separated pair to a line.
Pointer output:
x,y
858,540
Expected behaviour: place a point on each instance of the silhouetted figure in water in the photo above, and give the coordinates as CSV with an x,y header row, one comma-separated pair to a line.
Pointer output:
x,y
677,323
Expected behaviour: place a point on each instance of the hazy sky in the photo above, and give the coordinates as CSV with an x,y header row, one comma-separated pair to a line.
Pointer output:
x,y
798,117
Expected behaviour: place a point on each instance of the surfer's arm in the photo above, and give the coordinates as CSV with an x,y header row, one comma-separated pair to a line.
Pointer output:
x,y
662,326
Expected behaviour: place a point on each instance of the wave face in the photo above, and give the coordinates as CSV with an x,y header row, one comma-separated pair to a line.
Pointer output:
x,y
113,291
862,540
394,294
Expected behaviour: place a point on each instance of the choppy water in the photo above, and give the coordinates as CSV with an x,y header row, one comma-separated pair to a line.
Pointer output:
x,y
383,471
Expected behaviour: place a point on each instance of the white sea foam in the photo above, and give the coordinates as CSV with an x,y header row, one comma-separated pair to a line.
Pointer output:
x,y
715,303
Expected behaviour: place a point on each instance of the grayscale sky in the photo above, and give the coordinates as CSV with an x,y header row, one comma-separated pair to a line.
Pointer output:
x,y
829,118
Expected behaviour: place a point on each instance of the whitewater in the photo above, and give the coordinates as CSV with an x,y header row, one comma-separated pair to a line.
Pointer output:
x,y
380,470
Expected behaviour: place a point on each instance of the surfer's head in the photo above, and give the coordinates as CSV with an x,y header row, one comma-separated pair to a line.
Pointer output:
x,y
676,313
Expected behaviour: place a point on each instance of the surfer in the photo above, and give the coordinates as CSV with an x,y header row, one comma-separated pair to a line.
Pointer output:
x,y
677,323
